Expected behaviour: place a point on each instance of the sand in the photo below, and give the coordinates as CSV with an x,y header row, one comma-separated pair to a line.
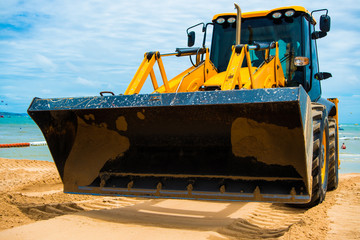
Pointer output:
x,y
33,206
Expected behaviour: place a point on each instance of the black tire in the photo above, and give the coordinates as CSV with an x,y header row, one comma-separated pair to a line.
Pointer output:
x,y
320,164
333,159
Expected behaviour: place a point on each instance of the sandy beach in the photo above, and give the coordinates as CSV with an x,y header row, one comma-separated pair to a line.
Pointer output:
x,y
33,206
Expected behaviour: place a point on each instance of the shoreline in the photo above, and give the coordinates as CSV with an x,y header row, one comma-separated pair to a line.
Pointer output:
x,y
33,206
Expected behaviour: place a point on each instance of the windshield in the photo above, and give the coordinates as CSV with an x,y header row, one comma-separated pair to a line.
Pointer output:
x,y
285,31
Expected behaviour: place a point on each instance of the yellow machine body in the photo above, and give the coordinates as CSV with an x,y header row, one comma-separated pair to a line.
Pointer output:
x,y
245,122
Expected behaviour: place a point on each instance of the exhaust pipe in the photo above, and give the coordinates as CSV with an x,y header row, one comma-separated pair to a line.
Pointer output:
x,y
238,24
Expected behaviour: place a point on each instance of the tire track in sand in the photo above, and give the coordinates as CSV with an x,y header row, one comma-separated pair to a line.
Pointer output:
x,y
47,211
268,221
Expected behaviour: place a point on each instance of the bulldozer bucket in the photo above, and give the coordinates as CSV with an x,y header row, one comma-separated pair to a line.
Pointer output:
x,y
251,145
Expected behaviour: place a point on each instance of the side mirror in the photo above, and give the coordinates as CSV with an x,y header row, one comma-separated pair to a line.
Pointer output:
x,y
322,75
325,22
191,39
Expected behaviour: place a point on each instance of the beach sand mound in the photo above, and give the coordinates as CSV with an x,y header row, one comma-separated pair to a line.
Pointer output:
x,y
33,206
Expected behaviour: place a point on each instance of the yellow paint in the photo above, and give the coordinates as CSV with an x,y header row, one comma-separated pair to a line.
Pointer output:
x,y
324,167
174,83
146,67
121,123
215,80
269,75
194,85
233,75
262,13
189,80
140,115
336,117
194,79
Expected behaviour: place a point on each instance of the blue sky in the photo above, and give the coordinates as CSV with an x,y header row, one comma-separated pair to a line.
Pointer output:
x,y
67,48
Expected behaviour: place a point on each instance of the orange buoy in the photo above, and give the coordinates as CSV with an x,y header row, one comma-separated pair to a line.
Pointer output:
x,y
11,145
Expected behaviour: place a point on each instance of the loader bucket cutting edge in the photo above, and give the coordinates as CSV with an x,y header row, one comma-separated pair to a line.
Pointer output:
x,y
220,145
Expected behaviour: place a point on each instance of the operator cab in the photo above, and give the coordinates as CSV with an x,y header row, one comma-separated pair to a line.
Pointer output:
x,y
292,27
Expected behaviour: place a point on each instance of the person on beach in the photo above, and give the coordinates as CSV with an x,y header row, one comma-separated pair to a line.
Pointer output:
x,y
343,146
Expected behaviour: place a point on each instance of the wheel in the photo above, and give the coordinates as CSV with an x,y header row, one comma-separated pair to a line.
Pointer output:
x,y
333,159
320,164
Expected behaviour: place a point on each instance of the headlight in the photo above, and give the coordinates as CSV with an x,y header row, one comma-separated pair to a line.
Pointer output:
x,y
220,20
231,20
289,13
277,15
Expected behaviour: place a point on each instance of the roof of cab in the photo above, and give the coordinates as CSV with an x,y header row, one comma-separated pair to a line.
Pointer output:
x,y
263,13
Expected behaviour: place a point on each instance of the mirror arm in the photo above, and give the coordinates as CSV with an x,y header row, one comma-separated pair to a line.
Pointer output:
x,y
318,34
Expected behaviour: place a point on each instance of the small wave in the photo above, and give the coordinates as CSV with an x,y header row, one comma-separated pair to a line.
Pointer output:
x,y
354,158
349,138
350,154
349,161
348,124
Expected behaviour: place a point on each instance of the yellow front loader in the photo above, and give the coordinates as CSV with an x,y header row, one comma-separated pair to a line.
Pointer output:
x,y
245,121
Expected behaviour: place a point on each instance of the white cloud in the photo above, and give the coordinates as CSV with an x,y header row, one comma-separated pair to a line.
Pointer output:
x,y
45,63
46,91
85,82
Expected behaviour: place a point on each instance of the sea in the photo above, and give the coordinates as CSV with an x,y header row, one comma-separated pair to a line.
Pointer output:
x,y
19,128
